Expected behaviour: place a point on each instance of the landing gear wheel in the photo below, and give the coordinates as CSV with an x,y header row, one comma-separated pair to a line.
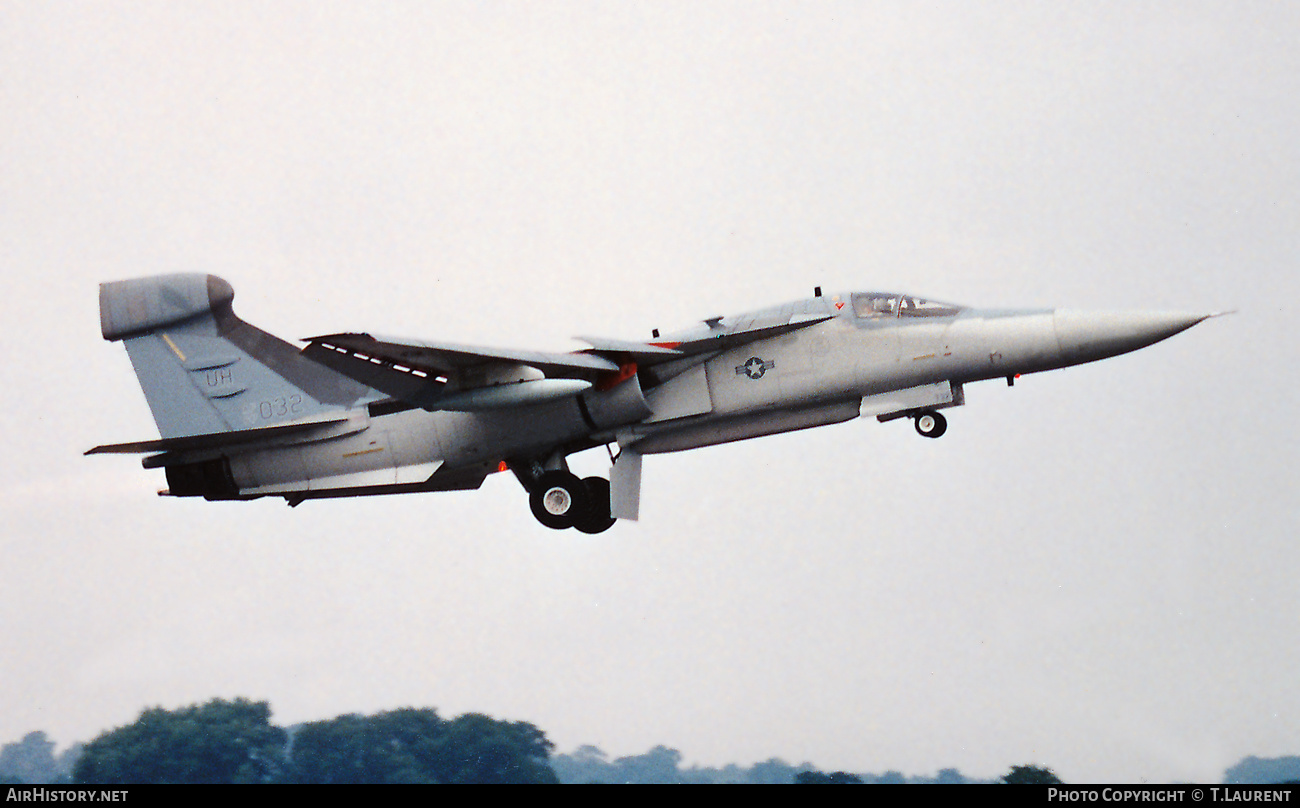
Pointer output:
x,y
559,499
597,518
931,424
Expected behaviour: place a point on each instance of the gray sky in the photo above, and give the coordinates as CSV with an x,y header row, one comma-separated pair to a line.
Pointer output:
x,y
1094,570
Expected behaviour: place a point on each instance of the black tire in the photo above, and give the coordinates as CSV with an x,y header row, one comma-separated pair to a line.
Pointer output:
x,y
597,518
559,499
930,424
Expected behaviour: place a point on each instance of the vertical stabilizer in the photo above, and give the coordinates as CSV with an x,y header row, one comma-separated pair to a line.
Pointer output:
x,y
203,370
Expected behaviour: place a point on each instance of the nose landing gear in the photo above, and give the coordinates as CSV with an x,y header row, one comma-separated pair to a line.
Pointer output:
x,y
930,424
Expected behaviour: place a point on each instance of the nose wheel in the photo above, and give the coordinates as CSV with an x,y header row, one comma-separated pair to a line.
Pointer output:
x,y
930,424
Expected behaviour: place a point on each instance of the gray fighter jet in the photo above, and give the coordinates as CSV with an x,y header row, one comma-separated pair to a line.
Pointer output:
x,y
244,414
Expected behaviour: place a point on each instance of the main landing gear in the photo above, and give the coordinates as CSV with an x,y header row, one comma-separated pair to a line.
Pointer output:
x,y
560,500
930,424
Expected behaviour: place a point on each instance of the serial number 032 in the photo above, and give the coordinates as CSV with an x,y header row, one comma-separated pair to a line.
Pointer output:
x,y
280,407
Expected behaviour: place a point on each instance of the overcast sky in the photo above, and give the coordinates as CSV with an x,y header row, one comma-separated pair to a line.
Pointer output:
x,y
1094,570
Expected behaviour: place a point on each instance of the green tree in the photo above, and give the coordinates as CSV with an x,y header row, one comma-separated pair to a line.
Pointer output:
x,y
1264,770
31,760
774,771
400,746
217,742
949,777
586,764
417,746
660,765
479,749
1031,775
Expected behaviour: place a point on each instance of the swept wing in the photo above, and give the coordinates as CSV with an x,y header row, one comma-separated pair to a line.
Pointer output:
x,y
435,375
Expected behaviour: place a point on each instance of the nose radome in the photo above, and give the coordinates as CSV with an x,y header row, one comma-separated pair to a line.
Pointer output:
x,y
1088,335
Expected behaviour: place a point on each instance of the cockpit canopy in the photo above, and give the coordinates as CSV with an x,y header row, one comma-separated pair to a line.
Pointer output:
x,y
887,304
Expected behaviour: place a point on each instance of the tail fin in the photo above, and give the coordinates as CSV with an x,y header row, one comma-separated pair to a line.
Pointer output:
x,y
204,370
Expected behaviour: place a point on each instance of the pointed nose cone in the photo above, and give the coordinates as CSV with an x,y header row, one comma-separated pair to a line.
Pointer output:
x,y
1087,336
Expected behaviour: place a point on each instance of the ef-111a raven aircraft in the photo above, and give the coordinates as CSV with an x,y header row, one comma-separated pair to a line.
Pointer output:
x,y
243,414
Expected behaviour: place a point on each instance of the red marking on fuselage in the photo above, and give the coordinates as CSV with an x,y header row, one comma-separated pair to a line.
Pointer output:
x,y
608,381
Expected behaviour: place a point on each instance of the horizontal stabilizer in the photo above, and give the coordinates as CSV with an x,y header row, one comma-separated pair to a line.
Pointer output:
x,y
220,440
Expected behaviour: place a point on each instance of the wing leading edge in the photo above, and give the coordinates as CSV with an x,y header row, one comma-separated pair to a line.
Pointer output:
x,y
719,338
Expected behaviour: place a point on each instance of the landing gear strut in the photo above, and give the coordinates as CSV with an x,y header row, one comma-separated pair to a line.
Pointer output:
x,y
930,424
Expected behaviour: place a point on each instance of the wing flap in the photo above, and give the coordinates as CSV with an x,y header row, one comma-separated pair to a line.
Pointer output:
x,y
457,377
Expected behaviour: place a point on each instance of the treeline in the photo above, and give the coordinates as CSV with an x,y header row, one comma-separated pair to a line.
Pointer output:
x,y
1253,770
588,764
235,742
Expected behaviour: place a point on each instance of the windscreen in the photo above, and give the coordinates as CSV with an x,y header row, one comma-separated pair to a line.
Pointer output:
x,y
885,304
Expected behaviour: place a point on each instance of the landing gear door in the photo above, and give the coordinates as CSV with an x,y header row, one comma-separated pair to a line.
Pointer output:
x,y
625,486
898,403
